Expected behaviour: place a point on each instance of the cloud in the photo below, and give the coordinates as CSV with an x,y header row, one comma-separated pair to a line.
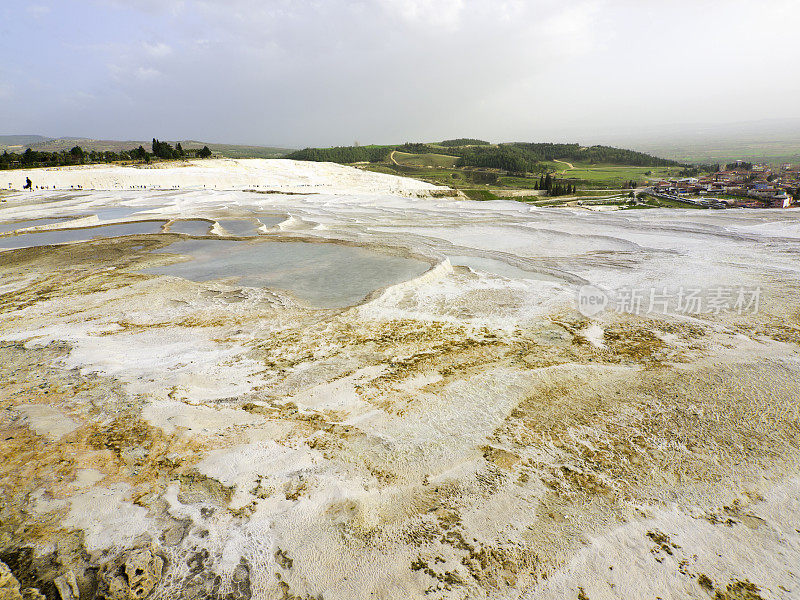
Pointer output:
x,y
79,98
126,75
157,50
573,30
6,91
430,13
300,72
147,73
38,10
173,7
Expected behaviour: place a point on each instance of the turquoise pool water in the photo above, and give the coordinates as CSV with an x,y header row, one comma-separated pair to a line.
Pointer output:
x,y
324,275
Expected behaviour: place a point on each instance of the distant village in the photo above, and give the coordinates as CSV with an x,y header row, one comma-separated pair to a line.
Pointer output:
x,y
737,185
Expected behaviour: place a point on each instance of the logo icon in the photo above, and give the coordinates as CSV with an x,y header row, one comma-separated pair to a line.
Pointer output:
x,y
592,300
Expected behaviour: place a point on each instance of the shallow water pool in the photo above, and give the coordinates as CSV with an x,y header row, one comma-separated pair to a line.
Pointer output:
x,y
114,213
191,227
240,227
269,220
64,236
14,225
498,267
324,275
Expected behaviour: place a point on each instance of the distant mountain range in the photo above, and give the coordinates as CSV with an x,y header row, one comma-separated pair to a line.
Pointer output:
x,y
19,143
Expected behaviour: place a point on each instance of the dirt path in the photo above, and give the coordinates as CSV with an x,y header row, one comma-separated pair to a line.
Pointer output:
x,y
570,166
391,158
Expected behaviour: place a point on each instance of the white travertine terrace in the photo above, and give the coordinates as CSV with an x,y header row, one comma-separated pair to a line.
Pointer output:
x,y
465,434
218,174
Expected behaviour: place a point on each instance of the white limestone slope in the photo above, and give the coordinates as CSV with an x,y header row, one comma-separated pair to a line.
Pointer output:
x,y
464,434
220,174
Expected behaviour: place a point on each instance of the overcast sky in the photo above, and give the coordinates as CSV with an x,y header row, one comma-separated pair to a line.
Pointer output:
x,y
328,72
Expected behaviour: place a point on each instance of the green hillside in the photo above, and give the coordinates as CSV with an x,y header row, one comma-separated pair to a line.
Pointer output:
x,y
485,171
424,160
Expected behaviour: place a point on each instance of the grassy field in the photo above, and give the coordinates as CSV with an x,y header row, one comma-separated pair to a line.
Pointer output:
x,y
596,183
522,183
594,179
459,179
480,195
234,151
653,202
425,160
455,178
615,176
590,179
595,176
554,167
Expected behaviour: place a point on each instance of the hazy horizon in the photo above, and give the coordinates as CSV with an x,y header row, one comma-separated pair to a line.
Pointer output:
x,y
305,73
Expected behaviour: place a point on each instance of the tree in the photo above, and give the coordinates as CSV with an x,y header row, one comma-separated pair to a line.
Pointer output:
x,y
139,153
464,142
204,153
76,155
164,150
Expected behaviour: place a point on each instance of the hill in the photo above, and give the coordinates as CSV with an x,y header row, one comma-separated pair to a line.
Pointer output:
x,y
518,169
516,157
19,143
464,142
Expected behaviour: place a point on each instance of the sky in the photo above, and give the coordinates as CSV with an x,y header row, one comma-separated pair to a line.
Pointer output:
x,y
298,73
